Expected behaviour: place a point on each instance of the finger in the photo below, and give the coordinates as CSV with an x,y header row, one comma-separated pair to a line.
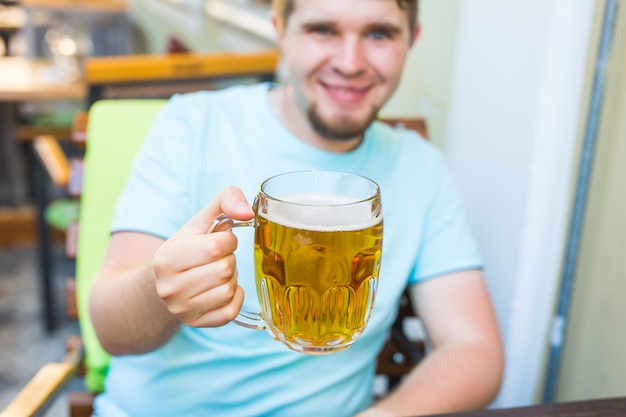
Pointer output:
x,y
218,316
230,201
193,251
193,282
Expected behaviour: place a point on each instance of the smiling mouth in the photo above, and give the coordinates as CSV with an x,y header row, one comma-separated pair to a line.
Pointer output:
x,y
345,94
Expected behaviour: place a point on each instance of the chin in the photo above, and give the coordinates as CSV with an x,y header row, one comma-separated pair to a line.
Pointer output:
x,y
340,128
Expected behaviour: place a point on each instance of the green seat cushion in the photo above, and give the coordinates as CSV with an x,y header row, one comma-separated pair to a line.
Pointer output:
x,y
115,132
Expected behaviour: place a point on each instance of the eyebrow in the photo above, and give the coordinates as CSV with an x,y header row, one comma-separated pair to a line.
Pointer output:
x,y
312,24
390,28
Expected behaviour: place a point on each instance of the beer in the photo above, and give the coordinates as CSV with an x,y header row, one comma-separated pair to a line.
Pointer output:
x,y
317,263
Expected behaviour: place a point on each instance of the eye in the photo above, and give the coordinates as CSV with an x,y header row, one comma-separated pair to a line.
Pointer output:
x,y
380,34
321,29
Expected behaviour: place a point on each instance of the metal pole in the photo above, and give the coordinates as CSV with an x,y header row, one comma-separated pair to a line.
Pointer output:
x,y
560,319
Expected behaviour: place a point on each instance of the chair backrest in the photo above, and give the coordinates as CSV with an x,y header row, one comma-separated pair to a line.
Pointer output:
x,y
114,139
406,345
160,76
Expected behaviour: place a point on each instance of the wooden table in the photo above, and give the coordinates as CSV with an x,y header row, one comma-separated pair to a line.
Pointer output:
x,y
23,79
612,407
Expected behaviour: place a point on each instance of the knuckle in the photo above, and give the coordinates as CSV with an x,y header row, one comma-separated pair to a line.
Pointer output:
x,y
230,312
226,292
195,321
178,310
165,289
226,269
158,266
213,249
160,263
231,189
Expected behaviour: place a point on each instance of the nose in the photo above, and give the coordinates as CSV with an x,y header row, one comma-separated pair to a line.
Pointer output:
x,y
349,59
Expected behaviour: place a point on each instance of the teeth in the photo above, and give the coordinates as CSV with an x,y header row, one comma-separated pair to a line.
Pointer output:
x,y
347,90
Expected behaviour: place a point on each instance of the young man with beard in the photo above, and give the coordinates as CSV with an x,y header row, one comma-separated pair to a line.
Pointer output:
x,y
164,301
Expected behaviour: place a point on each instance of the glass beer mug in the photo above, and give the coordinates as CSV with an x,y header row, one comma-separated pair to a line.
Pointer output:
x,y
317,252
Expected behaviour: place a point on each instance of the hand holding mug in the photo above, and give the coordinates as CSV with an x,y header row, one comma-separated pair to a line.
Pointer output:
x,y
195,272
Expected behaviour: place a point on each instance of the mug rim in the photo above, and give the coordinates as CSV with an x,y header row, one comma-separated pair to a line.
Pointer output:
x,y
375,194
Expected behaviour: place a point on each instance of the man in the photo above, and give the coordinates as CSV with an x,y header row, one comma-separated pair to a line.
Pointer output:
x,y
168,291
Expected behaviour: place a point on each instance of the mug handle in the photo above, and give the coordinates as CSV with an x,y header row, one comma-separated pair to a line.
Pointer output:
x,y
245,318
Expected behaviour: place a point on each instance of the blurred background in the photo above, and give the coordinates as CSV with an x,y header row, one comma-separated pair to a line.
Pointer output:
x,y
525,98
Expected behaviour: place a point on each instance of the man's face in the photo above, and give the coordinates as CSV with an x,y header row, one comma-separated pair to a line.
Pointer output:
x,y
344,60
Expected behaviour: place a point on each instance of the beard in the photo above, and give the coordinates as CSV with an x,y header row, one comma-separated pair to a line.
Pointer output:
x,y
342,129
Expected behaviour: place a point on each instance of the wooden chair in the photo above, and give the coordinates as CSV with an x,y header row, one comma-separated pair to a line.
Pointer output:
x,y
108,159
109,153
404,348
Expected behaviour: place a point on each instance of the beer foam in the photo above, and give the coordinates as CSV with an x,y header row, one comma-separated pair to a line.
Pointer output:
x,y
319,199
323,212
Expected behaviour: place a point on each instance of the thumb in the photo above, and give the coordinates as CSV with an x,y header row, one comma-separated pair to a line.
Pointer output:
x,y
230,201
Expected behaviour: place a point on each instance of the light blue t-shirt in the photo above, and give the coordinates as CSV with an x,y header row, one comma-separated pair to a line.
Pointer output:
x,y
203,142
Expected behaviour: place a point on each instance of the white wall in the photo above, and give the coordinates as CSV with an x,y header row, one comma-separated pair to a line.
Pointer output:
x,y
512,128
425,87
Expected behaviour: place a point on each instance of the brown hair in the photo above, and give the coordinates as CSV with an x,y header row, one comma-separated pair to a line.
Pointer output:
x,y
284,8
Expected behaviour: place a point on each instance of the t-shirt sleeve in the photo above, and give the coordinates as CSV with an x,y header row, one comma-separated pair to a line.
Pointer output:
x,y
156,198
448,244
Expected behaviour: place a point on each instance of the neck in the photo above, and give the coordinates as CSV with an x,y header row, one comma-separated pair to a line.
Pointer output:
x,y
293,117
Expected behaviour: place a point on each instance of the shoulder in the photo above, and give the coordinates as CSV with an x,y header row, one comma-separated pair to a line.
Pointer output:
x,y
190,114
240,95
228,105
405,145
400,135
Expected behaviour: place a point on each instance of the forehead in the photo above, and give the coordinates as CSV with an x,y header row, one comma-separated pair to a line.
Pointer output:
x,y
349,12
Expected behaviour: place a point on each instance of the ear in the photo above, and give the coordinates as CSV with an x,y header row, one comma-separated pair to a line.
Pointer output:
x,y
416,33
279,29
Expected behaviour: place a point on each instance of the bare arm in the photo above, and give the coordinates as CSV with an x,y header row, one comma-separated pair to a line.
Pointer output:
x,y
147,286
464,370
